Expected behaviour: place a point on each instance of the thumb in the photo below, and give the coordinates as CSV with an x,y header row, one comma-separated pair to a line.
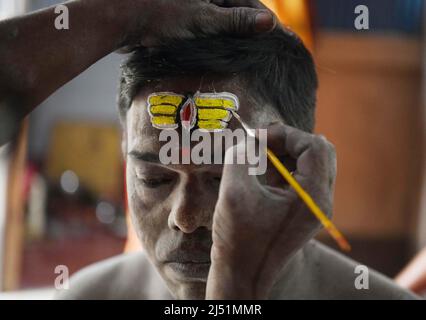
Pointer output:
x,y
243,20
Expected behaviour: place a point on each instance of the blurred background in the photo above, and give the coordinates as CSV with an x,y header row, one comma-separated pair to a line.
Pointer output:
x,y
62,194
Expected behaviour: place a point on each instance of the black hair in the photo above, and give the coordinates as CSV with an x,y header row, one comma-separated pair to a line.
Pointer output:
x,y
275,68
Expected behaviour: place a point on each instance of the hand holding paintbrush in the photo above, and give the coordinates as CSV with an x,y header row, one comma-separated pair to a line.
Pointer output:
x,y
306,198
261,230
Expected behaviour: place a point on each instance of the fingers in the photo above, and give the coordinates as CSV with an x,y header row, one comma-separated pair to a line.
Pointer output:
x,y
238,20
287,140
239,3
255,4
315,155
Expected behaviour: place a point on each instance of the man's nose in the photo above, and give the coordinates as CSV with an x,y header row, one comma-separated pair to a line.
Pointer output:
x,y
191,208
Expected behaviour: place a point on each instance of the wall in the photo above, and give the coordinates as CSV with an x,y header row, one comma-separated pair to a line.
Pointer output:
x,y
10,8
89,97
369,106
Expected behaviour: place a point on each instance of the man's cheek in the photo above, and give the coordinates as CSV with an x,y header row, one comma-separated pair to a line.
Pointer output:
x,y
149,210
138,195
150,198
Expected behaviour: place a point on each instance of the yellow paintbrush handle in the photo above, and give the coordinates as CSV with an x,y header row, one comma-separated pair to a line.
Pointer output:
x,y
325,221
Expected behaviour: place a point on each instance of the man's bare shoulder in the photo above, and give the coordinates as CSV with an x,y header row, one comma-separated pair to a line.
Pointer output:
x,y
335,276
127,276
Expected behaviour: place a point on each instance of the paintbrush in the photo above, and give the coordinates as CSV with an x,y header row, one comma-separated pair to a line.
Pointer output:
x,y
306,198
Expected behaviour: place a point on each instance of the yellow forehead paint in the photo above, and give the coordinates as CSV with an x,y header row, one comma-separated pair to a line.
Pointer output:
x,y
162,109
214,110
207,111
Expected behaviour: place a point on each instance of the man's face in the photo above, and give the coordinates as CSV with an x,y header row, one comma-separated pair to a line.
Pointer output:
x,y
172,206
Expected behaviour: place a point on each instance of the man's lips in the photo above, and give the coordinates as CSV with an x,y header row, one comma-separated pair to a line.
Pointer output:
x,y
185,257
189,271
188,265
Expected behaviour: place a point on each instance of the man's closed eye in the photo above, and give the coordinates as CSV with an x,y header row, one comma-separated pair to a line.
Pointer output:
x,y
155,183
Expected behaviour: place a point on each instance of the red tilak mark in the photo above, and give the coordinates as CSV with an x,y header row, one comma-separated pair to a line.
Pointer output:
x,y
186,112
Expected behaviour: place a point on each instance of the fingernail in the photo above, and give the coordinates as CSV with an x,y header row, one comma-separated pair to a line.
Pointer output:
x,y
264,21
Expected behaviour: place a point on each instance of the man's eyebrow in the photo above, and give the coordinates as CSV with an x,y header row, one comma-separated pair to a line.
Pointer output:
x,y
145,156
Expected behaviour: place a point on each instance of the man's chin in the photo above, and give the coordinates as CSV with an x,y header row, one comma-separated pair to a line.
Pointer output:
x,y
190,290
187,281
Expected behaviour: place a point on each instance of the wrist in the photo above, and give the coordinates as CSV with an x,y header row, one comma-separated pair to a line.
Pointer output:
x,y
227,282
